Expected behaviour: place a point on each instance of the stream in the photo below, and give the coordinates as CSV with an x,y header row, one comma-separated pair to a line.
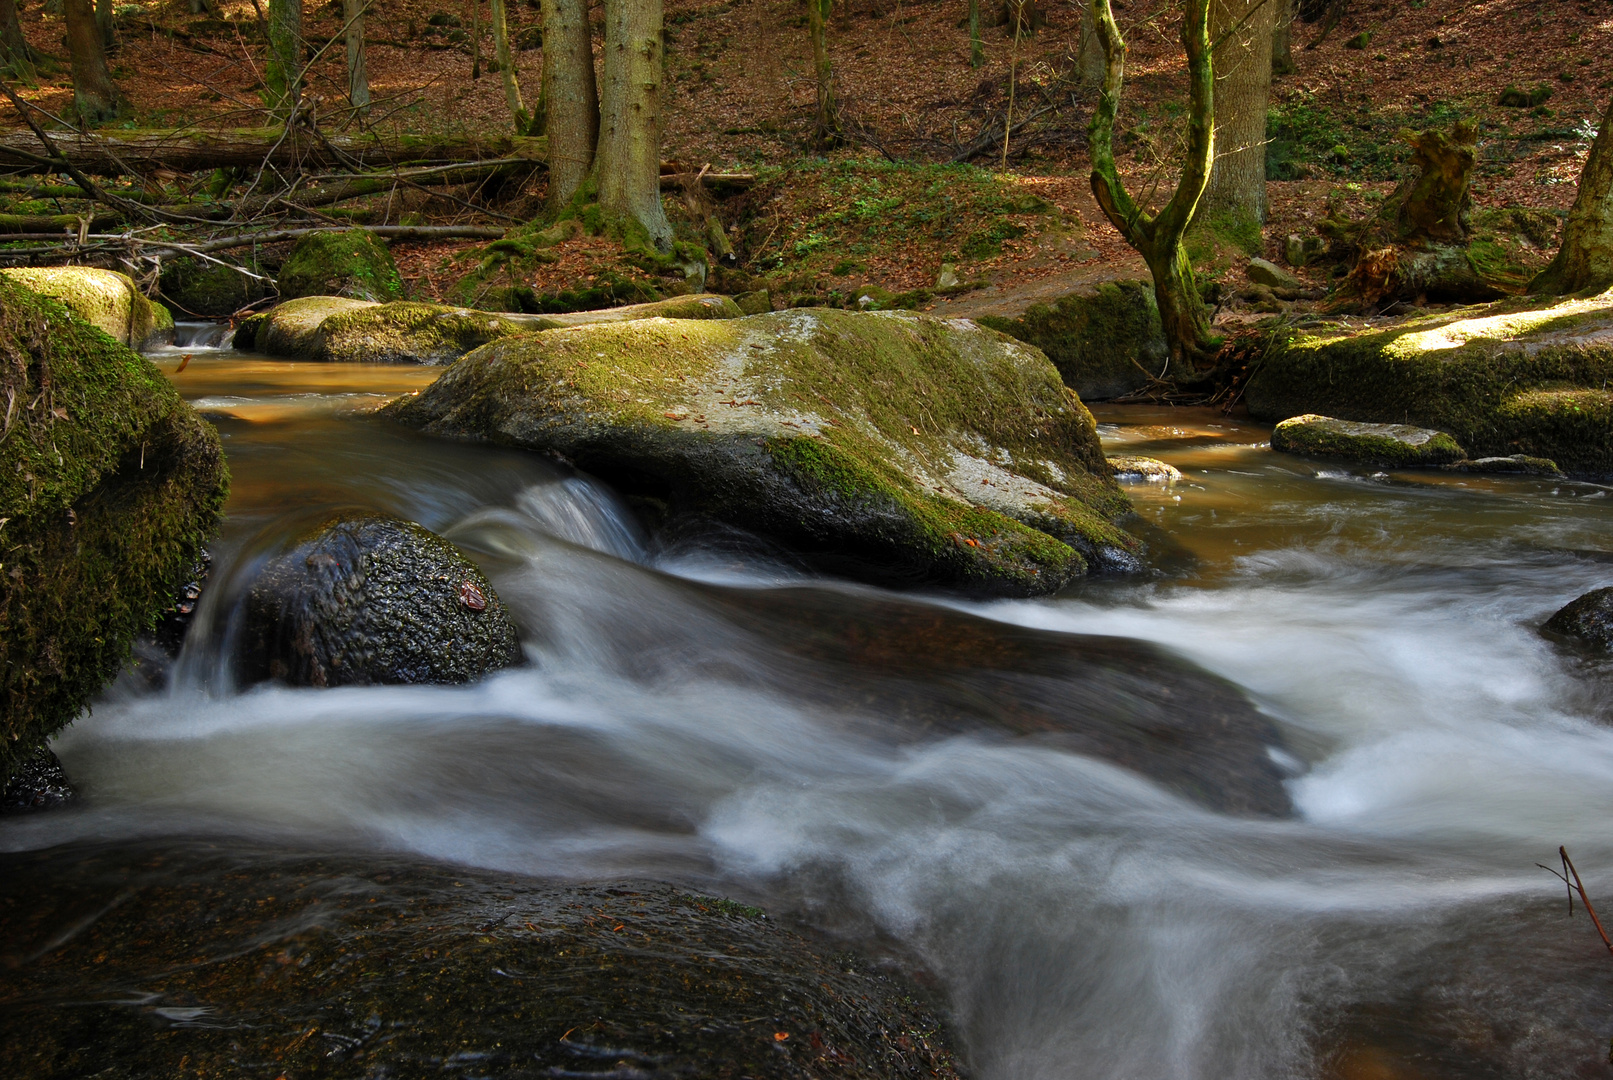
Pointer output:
x,y
1077,918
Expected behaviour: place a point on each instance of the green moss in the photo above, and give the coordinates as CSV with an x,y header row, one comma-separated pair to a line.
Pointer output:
x,y
291,329
405,333
109,488
209,289
352,262
1384,445
1097,339
104,298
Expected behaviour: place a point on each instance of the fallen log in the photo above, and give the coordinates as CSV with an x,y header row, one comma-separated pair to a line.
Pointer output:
x,y
104,242
53,223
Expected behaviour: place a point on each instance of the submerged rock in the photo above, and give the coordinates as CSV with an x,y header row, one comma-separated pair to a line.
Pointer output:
x,y
192,960
110,488
1106,339
1515,377
1590,619
1131,470
1384,445
103,298
895,447
1517,464
373,600
351,262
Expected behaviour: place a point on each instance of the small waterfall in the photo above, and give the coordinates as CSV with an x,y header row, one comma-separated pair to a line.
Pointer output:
x,y
202,335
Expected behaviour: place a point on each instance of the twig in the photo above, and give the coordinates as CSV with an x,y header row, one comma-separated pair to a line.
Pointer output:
x,y
1577,886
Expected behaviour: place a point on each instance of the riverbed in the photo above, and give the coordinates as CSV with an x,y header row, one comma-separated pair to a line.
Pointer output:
x,y
1077,918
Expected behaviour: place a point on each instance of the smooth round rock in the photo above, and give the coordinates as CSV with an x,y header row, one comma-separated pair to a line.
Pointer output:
x,y
1590,618
373,600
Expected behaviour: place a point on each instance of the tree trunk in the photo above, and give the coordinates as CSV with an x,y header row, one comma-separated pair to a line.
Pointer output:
x,y
506,66
571,98
1022,19
104,20
629,163
15,55
94,96
1242,33
283,69
1282,40
1585,259
826,125
977,47
1158,238
1089,58
358,79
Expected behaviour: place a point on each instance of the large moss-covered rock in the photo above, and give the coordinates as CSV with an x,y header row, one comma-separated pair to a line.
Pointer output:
x,y
213,290
1384,445
110,486
401,333
892,446
292,329
1589,618
351,262
102,298
369,600
694,306
1105,339
1515,377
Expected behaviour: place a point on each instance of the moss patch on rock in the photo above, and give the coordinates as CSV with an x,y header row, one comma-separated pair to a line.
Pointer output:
x,y
894,447
213,290
695,306
102,298
405,333
1105,341
353,262
110,486
1384,445
1514,377
291,329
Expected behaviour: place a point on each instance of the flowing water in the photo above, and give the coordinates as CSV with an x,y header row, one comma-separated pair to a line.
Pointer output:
x,y
1081,919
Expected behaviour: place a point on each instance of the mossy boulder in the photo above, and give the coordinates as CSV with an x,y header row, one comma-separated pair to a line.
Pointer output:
x,y
102,298
1143,470
373,600
892,446
212,290
1589,619
351,262
404,333
1515,377
292,329
1106,340
110,486
1384,445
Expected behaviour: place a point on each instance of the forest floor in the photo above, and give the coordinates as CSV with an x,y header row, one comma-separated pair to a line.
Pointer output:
x,y
906,195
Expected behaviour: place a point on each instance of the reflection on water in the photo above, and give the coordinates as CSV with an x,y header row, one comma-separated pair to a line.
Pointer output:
x,y
1084,919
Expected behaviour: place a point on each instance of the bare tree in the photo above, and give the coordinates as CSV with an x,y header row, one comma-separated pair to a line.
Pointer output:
x,y
572,98
1241,40
94,97
977,47
1585,259
826,125
283,72
628,168
506,65
16,56
1282,39
358,79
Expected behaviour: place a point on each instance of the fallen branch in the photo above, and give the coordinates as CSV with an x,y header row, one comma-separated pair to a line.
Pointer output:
x,y
1577,886
105,242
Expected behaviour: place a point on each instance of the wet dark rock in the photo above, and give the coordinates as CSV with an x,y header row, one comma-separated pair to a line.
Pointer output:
x,y
1515,464
190,960
1590,619
37,783
371,600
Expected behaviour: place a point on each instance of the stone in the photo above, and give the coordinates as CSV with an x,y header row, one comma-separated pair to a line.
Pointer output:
x,y
211,290
1383,445
948,277
110,489
890,446
354,263
1263,272
1589,618
105,299
693,306
402,333
1517,464
754,303
1106,339
1303,250
373,600
37,783
1147,470
291,329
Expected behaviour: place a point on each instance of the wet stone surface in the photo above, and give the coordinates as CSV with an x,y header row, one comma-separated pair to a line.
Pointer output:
x,y
1589,618
37,784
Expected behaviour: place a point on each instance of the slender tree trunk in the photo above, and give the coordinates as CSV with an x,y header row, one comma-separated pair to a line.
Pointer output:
x,y
826,126
506,65
1089,59
94,96
358,79
629,163
1585,259
977,47
104,20
1241,33
571,97
284,67
15,55
1282,39
1158,238
474,7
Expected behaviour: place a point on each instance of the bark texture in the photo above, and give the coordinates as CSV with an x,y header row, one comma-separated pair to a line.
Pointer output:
x,y
1241,32
283,69
571,97
1158,238
977,47
1089,56
358,78
15,55
629,165
94,96
1282,40
506,65
1585,259
826,125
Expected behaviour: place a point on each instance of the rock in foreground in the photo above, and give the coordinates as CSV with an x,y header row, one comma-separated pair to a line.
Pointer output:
x,y
192,961
1590,618
373,600
1385,445
894,447
103,298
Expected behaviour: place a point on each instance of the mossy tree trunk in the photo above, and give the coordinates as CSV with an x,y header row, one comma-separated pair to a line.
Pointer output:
x,y
283,66
826,125
977,47
506,65
571,98
1240,35
94,96
358,79
628,167
1585,259
1158,237
1282,39
1433,204
16,57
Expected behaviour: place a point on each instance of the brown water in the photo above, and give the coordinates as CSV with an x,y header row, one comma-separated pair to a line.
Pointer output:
x,y
1083,919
